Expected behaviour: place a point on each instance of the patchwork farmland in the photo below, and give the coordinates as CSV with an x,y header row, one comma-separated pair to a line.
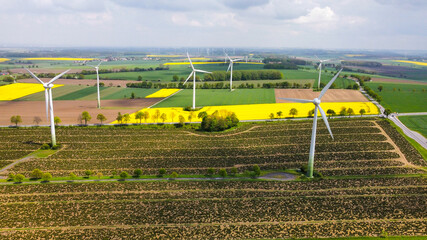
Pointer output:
x,y
369,166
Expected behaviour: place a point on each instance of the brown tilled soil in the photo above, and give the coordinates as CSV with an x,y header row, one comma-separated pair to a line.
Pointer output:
x,y
83,82
388,80
68,111
332,95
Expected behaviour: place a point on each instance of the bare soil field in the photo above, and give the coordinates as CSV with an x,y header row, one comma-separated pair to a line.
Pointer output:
x,y
83,82
332,95
68,111
388,80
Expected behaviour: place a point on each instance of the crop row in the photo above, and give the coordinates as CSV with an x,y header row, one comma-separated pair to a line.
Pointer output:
x,y
371,171
206,194
13,154
232,231
324,184
90,213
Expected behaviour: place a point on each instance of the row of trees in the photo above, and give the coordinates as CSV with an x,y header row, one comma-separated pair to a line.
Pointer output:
x,y
219,85
242,75
218,120
344,112
136,69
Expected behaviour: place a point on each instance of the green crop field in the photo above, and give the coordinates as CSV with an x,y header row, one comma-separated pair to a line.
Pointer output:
x,y
218,97
56,92
400,97
126,93
78,94
367,189
416,123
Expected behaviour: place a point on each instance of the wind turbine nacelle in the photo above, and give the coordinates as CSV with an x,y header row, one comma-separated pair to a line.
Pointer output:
x,y
316,101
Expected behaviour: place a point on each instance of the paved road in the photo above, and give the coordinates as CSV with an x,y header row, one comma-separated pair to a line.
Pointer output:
x,y
412,134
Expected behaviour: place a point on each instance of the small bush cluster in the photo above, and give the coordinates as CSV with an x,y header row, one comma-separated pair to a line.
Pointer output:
x,y
219,121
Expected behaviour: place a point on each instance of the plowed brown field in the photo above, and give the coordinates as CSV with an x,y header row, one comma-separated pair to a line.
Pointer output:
x,y
332,95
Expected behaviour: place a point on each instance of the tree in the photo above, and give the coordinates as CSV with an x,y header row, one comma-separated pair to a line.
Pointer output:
x,y
19,178
119,118
163,117
362,111
137,173
343,111
73,176
174,175
46,177
101,117
311,113
175,78
57,121
10,177
99,175
124,175
132,95
293,112
157,115
88,173
350,111
233,171
86,117
380,88
279,114
222,172
146,116
387,112
181,120
271,116
36,174
190,116
16,119
139,116
172,115
162,172
126,118
210,171
37,120
331,113
202,115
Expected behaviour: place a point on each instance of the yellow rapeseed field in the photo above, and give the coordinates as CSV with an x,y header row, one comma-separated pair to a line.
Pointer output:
x,y
58,59
4,59
413,62
18,90
257,111
194,63
163,93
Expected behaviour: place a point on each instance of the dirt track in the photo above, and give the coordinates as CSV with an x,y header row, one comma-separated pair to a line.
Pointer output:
x,y
83,82
69,111
332,95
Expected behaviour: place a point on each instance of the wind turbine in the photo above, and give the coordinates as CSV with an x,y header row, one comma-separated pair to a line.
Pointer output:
x,y
320,70
194,79
97,82
230,68
49,103
316,103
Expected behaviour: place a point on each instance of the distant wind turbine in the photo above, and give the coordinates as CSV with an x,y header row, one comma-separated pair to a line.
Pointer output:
x,y
320,70
316,103
97,82
194,79
49,102
230,68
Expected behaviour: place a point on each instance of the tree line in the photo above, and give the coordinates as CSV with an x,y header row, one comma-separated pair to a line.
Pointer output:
x,y
242,75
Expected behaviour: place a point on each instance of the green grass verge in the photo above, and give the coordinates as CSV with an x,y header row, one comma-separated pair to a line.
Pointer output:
x,y
219,97
405,100
416,123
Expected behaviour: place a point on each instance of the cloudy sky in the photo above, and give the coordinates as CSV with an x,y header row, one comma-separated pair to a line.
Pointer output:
x,y
351,24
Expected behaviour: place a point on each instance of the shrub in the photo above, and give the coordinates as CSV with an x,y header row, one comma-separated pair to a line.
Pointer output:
x,y
219,121
211,171
10,177
36,174
46,177
99,175
73,176
45,146
88,173
233,171
162,172
124,175
174,175
256,170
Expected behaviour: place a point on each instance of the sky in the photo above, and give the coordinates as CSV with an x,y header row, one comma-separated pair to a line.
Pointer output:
x,y
317,24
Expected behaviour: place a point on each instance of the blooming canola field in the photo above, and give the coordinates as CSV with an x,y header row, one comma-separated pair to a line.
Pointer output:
x,y
18,90
165,92
256,111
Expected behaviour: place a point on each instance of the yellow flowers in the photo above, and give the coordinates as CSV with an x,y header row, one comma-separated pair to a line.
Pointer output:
x,y
257,111
413,62
194,63
4,59
18,90
163,93
59,59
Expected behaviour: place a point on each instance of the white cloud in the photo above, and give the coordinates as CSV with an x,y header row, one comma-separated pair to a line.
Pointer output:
x,y
317,15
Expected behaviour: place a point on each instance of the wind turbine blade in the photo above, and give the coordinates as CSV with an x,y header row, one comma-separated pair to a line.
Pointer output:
x,y
229,66
201,71
99,64
318,58
189,76
228,57
34,76
189,59
326,121
329,85
239,59
57,77
297,100
46,96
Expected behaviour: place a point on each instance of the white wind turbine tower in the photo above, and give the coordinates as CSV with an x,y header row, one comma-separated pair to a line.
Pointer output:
x,y
97,82
320,70
49,103
194,79
230,68
316,103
